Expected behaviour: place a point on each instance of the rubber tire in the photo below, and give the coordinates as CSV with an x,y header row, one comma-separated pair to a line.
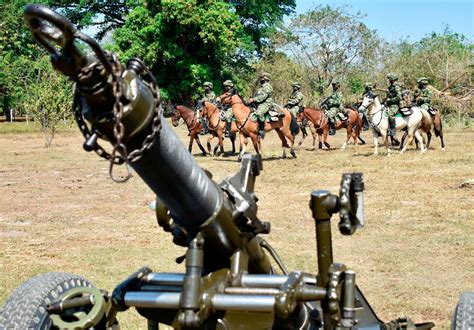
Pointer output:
x,y
25,308
463,317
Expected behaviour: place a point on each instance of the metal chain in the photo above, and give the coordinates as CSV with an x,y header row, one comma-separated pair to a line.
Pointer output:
x,y
119,153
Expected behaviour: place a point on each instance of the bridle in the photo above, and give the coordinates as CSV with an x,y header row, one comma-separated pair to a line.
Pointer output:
x,y
371,115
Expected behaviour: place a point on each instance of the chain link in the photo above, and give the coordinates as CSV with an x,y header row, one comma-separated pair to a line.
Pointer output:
x,y
119,154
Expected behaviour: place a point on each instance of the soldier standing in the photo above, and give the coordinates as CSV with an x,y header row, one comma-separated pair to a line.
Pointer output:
x,y
423,95
333,105
263,99
392,101
296,99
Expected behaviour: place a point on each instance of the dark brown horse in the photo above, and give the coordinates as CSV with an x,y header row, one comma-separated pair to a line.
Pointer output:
x,y
193,124
216,127
321,126
285,127
317,123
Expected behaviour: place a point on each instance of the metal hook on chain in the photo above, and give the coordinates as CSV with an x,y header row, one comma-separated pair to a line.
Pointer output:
x,y
119,147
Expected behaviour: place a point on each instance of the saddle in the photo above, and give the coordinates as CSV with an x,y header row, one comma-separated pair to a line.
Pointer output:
x,y
405,112
342,117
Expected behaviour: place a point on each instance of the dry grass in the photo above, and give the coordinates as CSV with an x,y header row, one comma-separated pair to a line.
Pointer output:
x,y
60,212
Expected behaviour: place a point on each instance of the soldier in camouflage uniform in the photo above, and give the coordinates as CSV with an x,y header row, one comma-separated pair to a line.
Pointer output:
x,y
423,95
228,114
296,99
263,99
209,96
368,89
333,104
392,101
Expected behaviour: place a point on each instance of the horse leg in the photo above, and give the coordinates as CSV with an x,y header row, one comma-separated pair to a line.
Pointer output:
x,y
232,140
348,136
325,135
428,138
209,147
402,142
219,145
243,146
420,139
200,145
289,136
284,143
376,143
305,134
190,146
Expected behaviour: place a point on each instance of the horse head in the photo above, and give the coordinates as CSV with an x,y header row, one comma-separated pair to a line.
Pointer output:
x,y
176,116
369,101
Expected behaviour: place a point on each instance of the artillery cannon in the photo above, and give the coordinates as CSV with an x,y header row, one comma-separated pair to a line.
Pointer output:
x,y
229,281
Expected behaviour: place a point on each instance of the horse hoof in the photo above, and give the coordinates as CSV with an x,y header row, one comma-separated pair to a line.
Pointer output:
x,y
442,149
293,153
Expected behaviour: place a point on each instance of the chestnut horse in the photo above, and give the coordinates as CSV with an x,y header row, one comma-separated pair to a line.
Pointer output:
x,y
321,126
194,125
249,128
216,127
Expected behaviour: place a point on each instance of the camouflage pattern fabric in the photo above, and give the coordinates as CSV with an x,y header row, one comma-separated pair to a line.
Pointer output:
x,y
229,114
210,97
333,104
263,100
394,97
422,98
295,101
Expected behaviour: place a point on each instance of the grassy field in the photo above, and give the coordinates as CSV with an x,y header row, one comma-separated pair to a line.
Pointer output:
x,y
59,211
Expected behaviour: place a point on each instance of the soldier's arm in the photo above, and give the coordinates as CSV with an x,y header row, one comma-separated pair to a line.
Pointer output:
x,y
398,94
261,95
428,96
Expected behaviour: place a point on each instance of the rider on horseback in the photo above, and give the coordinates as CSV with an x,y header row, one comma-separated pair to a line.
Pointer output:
x,y
209,96
423,95
263,99
295,102
392,101
333,104
368,89
228,114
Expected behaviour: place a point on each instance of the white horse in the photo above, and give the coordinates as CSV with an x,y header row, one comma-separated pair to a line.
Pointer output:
x,y
377,114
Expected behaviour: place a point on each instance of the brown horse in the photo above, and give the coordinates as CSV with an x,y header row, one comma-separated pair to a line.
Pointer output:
x,y
216,127
285,127
321,126
193,124
317,123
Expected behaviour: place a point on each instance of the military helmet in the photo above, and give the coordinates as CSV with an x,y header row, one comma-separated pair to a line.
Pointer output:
x,y
208,84
265,75
228,83
336,84
392,77
368,86
296,84
422,80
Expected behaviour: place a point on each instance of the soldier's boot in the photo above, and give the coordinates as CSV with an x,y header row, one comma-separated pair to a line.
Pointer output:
x,y
365,120
261,129
228,127
332,128
391,122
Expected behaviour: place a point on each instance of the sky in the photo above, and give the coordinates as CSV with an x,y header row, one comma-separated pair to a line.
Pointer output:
x,y
411,19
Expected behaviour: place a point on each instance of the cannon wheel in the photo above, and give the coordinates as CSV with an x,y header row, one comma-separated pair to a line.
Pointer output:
x,y
25,308
463,318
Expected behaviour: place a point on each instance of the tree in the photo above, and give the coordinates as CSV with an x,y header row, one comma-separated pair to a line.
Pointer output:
x,y
328,42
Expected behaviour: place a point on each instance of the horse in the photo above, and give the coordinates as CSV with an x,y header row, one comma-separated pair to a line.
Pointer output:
x,y
427,124
379,122
216,126
321,125
317,123
193,124
285,127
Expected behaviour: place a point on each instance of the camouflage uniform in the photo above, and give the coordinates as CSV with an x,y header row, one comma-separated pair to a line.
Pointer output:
x,y
368,89
296,99
423,95
392,101
263,99
334,104
209,96
228,86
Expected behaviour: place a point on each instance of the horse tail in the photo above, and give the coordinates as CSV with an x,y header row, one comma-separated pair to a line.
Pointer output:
x,y
438,130
294,127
